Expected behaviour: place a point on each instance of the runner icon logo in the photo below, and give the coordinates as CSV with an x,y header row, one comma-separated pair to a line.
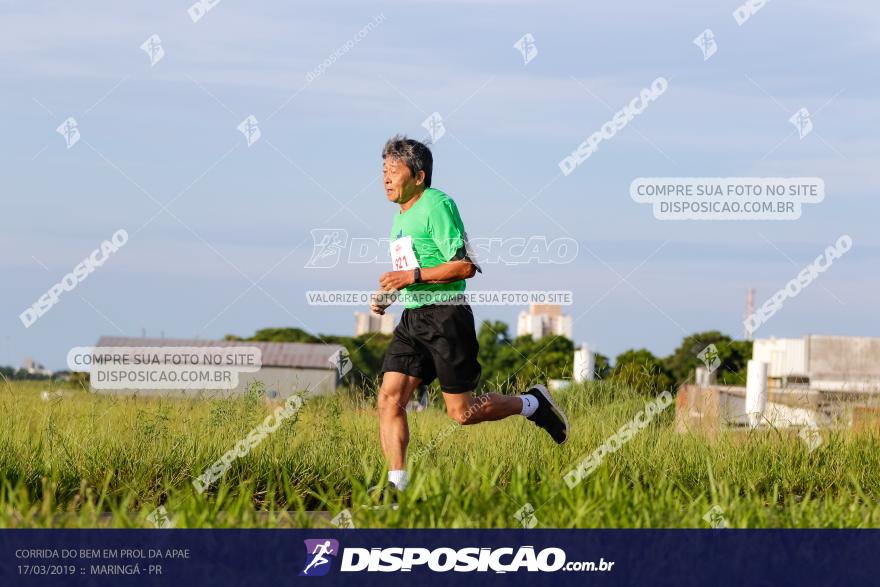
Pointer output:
x,y
320,552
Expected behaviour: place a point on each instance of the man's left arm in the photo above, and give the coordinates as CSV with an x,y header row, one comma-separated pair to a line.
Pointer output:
x,y
454,270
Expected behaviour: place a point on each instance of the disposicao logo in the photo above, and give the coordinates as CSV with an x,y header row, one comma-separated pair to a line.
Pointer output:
x,y
320,553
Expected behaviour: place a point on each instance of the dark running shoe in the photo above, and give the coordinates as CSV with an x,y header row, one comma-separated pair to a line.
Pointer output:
x,y
383,496
548,415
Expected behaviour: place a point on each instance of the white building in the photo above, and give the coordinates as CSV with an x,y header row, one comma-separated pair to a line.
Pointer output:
x,y
365,322
34,368
829,363
542,320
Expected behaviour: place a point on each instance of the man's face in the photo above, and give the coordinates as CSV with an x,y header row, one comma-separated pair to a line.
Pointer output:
x,y
400,185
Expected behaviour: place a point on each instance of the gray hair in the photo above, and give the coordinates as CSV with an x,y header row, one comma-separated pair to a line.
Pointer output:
x,y
414,154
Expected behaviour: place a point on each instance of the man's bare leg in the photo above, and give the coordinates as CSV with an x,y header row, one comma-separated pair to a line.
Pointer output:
x,y
466,409
395,392
536,404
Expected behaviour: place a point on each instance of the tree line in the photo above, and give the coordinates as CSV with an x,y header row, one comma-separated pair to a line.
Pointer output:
x,y
512,363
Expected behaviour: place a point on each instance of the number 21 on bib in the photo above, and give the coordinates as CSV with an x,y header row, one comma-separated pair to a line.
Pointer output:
x,y
402,255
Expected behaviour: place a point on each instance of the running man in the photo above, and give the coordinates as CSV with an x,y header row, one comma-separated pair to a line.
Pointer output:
x,y
436,336
320,550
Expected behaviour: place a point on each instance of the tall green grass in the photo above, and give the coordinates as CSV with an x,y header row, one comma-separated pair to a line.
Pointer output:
x,y
85,460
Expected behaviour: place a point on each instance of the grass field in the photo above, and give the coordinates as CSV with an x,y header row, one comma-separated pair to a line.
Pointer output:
x,y
85,460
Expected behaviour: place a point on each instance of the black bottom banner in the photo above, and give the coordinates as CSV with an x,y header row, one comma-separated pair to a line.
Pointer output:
x,y
436,557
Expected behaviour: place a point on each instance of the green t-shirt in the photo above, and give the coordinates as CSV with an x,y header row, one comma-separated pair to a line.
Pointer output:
x,y
437,233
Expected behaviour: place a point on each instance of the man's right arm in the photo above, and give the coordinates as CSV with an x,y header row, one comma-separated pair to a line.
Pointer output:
x,y
381,300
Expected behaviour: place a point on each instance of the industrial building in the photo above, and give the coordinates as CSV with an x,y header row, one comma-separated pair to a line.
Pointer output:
x,y
811,382
822,362
286,367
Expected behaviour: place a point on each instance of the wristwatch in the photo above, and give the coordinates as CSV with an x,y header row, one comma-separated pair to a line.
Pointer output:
x,y
417,275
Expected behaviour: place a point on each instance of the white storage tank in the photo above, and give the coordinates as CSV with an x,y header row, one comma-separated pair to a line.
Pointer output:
x,y
756,391
584,364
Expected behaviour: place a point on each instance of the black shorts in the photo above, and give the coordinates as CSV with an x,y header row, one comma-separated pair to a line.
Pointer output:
x,y
437,341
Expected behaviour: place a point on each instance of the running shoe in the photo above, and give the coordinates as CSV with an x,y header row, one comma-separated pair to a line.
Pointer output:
x,y
383,496
548,415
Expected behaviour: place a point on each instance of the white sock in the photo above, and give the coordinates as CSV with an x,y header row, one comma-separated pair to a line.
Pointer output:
x,y
398,479
530,404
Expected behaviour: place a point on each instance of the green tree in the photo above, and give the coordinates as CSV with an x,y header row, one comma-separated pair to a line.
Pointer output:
x,y
734,356
641,370
734,362
509,365
492,337
288,334
367,352
602,367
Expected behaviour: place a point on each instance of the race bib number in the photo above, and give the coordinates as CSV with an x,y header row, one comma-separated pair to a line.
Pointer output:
x,y
402,255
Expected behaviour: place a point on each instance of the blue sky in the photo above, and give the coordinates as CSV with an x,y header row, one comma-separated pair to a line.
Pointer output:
x,y
243,214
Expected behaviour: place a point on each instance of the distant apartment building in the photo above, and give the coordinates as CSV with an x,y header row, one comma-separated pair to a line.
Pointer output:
x,y
366,322
542,320
34,368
